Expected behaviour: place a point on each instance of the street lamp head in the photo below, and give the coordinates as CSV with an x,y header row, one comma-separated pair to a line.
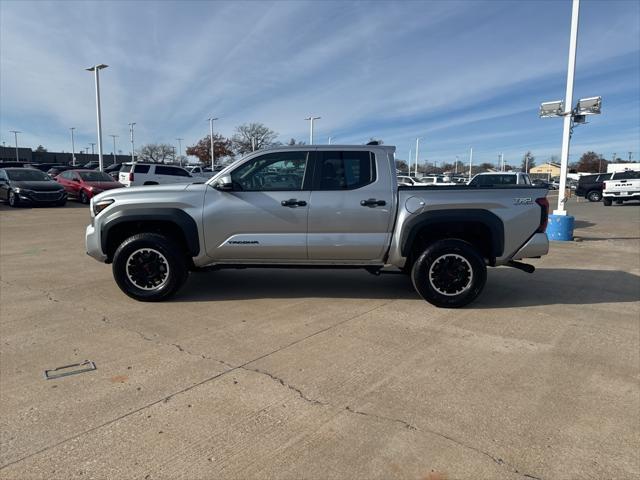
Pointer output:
x,y
589,106
552,109
96,67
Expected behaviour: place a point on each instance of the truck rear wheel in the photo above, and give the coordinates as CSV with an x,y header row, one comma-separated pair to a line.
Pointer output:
x,y
149,267
450,273
594,196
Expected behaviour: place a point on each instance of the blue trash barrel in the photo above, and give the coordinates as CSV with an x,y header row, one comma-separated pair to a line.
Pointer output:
x,y
560,228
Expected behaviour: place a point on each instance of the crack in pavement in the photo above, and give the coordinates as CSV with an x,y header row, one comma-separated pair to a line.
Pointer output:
x,y
290,387
191,387
380,417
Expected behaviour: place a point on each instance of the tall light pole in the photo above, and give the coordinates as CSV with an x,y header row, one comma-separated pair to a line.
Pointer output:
x,y
96,69
180,149
311,119
470,161
417,155
455,172
15,134
213,153
568,105
330,140
92,150
114,146
133,149
73,148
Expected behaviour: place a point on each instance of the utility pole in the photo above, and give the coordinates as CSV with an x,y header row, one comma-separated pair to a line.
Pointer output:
x,y
92,150
417,156
96,69
470,161
133,149
114,147
630,153
311,118
15,134
73,148
455,172
213,153
180,149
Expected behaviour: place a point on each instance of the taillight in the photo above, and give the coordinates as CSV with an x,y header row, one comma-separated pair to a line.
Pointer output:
x,y
131,176
544,214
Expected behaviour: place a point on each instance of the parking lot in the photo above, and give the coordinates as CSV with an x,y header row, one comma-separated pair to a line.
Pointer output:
x,y
320,374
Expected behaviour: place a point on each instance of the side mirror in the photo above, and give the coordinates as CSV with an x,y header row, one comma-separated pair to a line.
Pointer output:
x,y
224,183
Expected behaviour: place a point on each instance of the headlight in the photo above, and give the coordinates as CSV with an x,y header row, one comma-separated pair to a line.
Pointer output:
x,y
101,205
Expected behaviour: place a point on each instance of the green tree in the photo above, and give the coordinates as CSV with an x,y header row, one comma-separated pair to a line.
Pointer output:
x,y
202,149
41,149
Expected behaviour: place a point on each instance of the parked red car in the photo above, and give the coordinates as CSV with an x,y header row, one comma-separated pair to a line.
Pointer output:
x,y
84,184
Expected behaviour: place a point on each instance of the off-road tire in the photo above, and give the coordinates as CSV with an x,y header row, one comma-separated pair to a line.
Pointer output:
x,y
450,273
160,252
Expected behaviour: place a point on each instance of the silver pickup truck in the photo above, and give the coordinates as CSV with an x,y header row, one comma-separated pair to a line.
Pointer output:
x,y
317,206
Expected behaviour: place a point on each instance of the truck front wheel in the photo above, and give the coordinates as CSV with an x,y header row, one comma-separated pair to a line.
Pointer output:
x,y
450,273
149,267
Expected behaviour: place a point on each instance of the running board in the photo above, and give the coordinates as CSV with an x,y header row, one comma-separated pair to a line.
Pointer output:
x,y
525,267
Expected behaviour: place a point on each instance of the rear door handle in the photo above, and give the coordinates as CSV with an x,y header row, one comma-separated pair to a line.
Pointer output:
x,y
372,202
292,202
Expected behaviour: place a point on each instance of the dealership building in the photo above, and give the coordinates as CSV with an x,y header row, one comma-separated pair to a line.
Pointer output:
x,y
26,155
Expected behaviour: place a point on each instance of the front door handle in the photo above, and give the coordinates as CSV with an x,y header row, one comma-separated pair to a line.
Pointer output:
x,y
372,202
292,202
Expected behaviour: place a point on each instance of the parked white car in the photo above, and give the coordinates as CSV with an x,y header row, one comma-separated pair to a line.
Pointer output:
x,y
622,187
198,171
136,174
408,181
486,179
437,180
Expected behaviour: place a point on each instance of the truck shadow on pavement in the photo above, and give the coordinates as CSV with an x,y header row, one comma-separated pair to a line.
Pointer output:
x,y
505,288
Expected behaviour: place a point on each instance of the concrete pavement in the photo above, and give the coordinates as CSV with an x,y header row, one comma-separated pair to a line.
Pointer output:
x,y
320,374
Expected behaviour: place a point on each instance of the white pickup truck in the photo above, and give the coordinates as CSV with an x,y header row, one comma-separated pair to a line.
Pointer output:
x,y
311,206
621,187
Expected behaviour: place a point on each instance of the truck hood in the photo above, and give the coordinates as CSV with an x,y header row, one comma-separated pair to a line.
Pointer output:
x,y
152,193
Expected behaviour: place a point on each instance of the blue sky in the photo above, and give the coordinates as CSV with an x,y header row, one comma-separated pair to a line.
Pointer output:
x,y
455,73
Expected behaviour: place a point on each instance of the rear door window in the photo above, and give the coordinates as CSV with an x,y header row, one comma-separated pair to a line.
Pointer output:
x,y
345,170
141,169
174,171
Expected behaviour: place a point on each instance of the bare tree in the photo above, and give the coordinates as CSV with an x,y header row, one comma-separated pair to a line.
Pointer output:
x,y
156,153
252,136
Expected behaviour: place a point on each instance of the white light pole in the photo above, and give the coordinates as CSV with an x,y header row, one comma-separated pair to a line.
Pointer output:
x,y
133,149
213,153
470,161
114,147
330,140
311,119
15,134
568,102
417,156
180,149
96,69
73,148
455,172
92,148
253,144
